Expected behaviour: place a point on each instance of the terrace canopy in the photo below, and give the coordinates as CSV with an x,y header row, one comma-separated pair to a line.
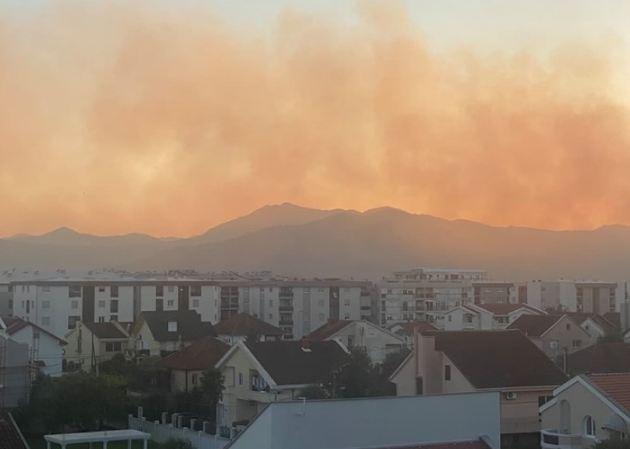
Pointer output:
x,y
104,437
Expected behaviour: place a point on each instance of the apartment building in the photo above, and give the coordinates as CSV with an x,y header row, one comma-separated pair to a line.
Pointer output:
x,y
296,307
576,296
425,294
58,304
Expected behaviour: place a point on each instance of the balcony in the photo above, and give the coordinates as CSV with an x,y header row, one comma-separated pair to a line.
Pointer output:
x,y
552,439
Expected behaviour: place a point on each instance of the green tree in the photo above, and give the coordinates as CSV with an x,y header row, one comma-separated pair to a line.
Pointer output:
x,y
211,386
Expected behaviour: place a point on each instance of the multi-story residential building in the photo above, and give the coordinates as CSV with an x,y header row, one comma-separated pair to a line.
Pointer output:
x,y
57,305
576,296
296,307
425,294
6,299
467,361
495,292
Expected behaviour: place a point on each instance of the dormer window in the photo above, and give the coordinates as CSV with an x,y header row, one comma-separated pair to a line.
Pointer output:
x,y
172,326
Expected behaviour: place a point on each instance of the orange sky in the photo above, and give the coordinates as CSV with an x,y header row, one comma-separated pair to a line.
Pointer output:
x,y
118,119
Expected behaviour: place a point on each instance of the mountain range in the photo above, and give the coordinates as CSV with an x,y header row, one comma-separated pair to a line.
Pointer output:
x,y
294,240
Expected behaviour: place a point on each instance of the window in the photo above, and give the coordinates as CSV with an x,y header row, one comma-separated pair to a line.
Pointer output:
x,y
590,428
101,319
72,321
45,304
170,303
172,326
109,347
113,318
568,326
577,343
101,289
159,290
468,318
74,291
450,318
113,291
195,303
74,304
113,306
45,321
195,379
240,378
101,303
447,372
542,400
195,290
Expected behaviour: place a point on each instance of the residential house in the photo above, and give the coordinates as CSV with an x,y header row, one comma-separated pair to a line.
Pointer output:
x,y
611,357
463,421
555,335
406,330
585,410
45,348
10,435
468,361
161,333
376,341
257,373
243,326
15,371
490,316
187,365
90,344
598,326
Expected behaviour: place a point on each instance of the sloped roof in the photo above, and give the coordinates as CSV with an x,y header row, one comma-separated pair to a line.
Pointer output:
x,y
616,386
199,356
105,330
498,359
289,364
505,309
408,327
14,324
189,325
10,436
244,324
534,325
327,330
613,357
614,318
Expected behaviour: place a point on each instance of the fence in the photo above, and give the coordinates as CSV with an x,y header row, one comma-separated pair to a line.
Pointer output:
x,y
162,432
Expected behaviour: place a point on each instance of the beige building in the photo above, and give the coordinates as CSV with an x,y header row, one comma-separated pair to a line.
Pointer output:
x,y
468,361
585,410
90,344
257,373
557,336
376,341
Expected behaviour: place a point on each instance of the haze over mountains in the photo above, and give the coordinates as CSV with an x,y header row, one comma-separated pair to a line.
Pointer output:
x,y
294,240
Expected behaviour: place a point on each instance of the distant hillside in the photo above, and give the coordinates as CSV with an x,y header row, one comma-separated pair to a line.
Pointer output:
x,y
294,240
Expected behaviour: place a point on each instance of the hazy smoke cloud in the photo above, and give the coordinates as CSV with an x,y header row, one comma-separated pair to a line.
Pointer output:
x,y
120,118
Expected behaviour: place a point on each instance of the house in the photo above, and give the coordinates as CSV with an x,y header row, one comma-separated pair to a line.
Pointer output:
x,y
45,348
257,373
468,361
466,421
15,371
555,335
90,344
160,333
376,341
611,357
242,326
597,326
585,410
489,316
405,330
10,435
187,365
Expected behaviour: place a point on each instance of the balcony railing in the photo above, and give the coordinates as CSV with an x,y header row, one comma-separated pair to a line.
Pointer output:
x,y
552,439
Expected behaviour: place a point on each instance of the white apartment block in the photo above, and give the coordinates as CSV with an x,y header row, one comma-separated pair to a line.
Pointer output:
x,y
577,296
425,294
298,307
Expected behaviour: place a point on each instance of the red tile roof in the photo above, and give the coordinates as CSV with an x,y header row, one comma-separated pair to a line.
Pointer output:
x,y
615,386
474,444
498,359
243,324
534,325
199,356
327,330
15,324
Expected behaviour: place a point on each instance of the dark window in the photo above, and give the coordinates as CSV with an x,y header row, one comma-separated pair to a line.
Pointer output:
x,y
72,321
195,290
113,306
109,347
159,290
113,318
74,291
447,372
113,291
117,346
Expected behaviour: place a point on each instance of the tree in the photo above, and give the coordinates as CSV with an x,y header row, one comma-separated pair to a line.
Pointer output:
x,y
613,444
314,392
355,379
